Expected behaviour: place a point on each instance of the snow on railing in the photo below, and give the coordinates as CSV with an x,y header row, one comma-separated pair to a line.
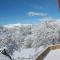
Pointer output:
x,y
44,46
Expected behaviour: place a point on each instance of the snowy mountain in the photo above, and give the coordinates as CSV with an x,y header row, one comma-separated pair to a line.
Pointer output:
x,y
19,38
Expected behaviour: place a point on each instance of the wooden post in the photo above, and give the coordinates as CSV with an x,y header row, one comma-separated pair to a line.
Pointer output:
x,y
59,4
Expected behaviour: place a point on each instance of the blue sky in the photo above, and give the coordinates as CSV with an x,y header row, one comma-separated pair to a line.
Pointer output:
x,y
27,11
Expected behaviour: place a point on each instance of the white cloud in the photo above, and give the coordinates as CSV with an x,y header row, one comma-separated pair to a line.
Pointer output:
x,y
37,14
47,18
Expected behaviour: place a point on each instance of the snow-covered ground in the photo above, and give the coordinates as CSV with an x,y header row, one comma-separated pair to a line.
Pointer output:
x,y
28,54
53,55
3,57
25,54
